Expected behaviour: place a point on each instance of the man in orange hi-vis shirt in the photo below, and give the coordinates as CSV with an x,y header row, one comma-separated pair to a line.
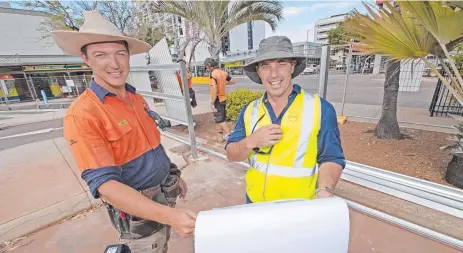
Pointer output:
x,y
116,144
218,80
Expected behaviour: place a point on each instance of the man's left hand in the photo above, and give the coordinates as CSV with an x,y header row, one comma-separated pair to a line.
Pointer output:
x,y
323,193
183,188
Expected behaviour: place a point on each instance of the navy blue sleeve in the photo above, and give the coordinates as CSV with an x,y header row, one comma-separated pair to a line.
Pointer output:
x,y
240,131
329,137
96,177
229,78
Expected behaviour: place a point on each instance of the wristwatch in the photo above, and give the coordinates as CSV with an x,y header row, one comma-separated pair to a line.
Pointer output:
x,y
328,189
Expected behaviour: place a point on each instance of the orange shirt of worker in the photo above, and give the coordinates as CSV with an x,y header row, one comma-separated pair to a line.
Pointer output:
x,y
179,79
219,78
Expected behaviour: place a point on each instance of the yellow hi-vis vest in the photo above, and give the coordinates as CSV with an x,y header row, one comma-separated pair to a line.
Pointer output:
x,y
291,167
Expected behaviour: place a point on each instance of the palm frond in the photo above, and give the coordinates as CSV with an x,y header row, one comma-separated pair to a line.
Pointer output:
x,y
443,22
390,33
216,18
242,12
455,4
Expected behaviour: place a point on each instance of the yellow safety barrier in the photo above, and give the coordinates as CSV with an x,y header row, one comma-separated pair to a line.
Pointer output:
x,y
200,80
12,93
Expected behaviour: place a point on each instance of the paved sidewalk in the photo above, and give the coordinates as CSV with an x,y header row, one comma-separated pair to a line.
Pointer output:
x,y
24,117
408,117
35,104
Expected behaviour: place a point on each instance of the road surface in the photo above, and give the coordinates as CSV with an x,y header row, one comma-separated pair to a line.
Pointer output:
x,y
23,134
366,90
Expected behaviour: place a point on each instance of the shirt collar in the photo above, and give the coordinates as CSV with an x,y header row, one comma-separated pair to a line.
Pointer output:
x,y
296,91
101,92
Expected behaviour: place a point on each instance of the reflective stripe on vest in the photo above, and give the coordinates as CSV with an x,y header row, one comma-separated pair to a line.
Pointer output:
x,y
283,171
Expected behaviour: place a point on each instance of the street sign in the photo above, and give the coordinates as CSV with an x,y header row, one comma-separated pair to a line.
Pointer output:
x,y
70,83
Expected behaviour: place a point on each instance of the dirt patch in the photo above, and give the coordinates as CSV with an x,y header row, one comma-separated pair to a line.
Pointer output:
x,y
418,155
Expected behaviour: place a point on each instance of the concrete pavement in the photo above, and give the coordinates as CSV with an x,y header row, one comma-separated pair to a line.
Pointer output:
x,y
30,105
23,117
408,117
42,187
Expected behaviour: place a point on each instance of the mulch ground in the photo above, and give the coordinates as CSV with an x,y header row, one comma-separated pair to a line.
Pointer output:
x,y
418,155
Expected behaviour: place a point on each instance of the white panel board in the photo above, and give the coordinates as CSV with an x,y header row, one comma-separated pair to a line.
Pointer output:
x,y
411,75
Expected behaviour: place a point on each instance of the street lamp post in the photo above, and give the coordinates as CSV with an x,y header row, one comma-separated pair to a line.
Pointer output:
x,y
307,45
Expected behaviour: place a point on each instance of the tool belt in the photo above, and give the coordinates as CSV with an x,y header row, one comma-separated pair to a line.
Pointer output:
x,y
132,227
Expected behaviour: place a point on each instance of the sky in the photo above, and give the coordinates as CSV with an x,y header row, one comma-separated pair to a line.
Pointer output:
x,y
300,16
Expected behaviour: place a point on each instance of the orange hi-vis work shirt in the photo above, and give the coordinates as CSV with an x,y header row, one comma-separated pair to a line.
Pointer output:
x,y
112,140
219,78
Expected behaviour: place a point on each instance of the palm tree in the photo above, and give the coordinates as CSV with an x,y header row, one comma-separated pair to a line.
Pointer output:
x,y
215,19
412,31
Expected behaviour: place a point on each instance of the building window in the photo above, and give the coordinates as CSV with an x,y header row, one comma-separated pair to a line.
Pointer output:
x,y
250,42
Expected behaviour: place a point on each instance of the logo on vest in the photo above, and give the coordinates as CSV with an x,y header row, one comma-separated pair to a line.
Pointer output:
x,y
293,116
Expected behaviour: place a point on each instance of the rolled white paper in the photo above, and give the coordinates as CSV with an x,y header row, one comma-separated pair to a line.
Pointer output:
x,y
293,226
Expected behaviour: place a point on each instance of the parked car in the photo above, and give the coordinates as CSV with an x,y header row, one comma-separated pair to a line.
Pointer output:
x,y
311,69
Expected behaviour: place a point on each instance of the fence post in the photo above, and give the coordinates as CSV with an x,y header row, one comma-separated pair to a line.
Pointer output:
x,y
324,67
85,81
33,89
5,94
346,80
188,111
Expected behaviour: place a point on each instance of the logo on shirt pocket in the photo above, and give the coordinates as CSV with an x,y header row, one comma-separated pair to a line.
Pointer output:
x,y
122,123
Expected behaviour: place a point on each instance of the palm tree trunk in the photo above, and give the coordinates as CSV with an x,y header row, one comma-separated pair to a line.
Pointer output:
x,y
388,126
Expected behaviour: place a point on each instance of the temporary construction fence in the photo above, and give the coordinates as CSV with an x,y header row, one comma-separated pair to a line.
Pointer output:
x,y
176,107
33,88
357,92
158,81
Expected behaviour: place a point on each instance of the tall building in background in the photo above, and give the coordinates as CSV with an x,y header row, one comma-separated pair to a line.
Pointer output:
x,y
322,26
246,37
165,21
175,27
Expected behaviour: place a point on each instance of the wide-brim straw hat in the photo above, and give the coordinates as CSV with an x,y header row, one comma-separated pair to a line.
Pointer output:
x,y
275,47
95,29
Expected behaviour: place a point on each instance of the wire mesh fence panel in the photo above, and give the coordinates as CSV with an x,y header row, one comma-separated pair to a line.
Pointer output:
x,y
337,63
57,86
161,89
310,76
16,90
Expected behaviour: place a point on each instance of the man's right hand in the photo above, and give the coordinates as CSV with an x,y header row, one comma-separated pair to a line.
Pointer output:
x,y
183,221
266,136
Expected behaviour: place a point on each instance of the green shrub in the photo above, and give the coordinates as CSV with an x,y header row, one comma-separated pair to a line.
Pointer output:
x,y
237,99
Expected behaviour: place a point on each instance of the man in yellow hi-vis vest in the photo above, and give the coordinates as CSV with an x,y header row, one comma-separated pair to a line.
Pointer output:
x,y
290,136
